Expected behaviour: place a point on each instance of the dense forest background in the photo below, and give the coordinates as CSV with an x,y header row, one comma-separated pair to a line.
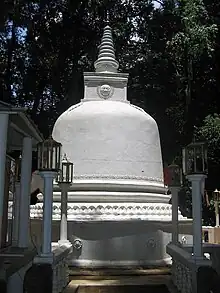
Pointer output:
x,y
171,50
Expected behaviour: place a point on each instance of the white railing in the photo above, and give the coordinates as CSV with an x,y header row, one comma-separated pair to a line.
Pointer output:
x,y
212,251
184,268
60,267
213,234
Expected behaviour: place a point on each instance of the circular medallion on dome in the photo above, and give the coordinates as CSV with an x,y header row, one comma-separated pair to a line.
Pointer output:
x,y
77,244
105,91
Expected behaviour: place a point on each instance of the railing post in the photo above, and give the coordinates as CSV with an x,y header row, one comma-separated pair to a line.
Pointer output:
x,y
47,211
3,145
175,222
63,221
16,220
26,163
196,180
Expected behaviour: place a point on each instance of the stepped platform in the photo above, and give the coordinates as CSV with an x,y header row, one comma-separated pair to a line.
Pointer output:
x,y
151,280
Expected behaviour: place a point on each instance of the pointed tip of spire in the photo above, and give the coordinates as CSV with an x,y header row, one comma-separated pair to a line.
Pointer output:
x,y
106,61
107,21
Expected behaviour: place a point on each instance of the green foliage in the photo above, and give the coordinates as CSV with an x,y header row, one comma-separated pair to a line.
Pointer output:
x,y
209,132
188,47
196,35
46,45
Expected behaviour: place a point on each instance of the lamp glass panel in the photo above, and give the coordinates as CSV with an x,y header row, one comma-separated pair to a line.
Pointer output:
x,y
196,158
49,155
66,172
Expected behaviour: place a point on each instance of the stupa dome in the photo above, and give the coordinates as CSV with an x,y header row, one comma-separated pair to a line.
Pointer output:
x,y
106,137
112,139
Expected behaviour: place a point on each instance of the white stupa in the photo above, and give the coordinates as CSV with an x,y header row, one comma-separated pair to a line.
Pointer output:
x,y
112,142
118,210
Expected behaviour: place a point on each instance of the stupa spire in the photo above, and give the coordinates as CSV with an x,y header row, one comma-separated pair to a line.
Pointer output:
x,y
106,61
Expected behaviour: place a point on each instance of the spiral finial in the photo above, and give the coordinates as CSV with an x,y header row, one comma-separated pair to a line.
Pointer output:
x,y
106,61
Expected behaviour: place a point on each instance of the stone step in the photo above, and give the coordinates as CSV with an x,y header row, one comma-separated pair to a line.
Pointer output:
x,y
123,289
82,273
110,284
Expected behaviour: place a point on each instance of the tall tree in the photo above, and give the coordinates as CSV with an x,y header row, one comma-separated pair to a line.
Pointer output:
x,y
189,46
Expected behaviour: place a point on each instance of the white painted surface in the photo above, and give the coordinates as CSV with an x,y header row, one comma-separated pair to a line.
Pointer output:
x,y
106,59
216,213
111,138
117,204
26,165
110,211
63,221
107,191
133,243
16,219
47,210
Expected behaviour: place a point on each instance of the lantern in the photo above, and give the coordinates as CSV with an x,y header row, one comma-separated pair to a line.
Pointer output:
x,y
175,175
66,173
49,152
195,158
216,195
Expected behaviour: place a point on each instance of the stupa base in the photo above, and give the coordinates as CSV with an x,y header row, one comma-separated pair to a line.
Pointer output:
x,y
98,245
100,264
107,235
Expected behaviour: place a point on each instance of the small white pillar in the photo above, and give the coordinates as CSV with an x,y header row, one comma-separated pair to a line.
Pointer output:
x,y
47,211
196,180
217,213
175,223
63,222
26,165
3,145
16,212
